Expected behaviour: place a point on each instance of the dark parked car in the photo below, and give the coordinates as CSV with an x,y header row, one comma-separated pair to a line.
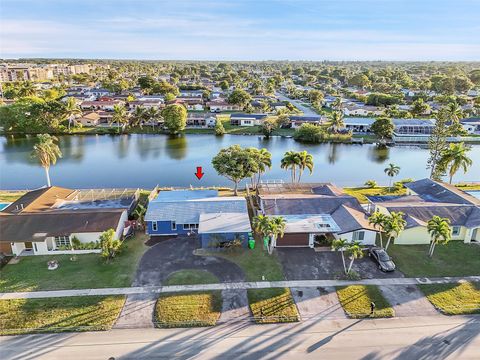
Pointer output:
x,y
381,257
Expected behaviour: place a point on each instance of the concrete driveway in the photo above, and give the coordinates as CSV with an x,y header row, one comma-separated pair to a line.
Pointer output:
x,y
319,303
408,300
307,264
176,254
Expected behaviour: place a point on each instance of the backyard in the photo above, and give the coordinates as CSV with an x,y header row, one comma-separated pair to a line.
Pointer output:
x,y
87,271
453,259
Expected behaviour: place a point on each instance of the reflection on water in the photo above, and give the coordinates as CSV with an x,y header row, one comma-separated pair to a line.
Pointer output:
x,y
146,160
379,154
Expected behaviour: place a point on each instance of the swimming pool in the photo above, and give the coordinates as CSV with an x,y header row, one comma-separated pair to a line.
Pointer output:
x,y
475,193
3,205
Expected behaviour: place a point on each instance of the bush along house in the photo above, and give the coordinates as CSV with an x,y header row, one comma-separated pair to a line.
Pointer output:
x,y
214,220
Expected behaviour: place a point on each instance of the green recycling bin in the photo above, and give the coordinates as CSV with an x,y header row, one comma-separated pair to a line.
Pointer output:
x,y
251,244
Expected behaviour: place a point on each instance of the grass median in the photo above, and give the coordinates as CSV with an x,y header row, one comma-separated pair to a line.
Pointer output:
x,y
82,313
356,300
191,277
454,299
188,309
274,305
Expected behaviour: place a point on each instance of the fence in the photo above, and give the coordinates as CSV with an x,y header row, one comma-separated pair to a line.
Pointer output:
x,y
425,139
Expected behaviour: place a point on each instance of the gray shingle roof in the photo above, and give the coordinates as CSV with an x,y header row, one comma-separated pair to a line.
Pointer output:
x,y
433,191
186,212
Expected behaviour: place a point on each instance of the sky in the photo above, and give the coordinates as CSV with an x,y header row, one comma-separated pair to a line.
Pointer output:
x,y
403,30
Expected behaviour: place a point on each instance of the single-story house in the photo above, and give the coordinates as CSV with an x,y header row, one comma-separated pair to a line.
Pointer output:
x,y
413,127
146,104
366,110
426,198
106,105
315,214
200,120
89,119
358,125
191,93
297,120
188,212
241,119
220,105
46,220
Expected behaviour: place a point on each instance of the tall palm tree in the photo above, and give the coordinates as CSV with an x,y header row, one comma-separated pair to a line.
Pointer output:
x,y
453,112
394,224
337,103
27,89
290,161
120,115
154,115
71,110
391,170
138,116
46,151
455,158
440,232
341,245
354,251
264,162
377,219
337,122
304,161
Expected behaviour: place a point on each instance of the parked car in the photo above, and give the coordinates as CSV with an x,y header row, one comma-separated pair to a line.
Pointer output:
x,y
381,257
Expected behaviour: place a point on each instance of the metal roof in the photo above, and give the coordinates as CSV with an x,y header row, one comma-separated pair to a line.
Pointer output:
x,y
217,223
184,195
314,223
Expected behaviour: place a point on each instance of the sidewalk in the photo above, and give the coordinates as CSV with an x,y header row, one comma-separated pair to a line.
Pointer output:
x,y
235,285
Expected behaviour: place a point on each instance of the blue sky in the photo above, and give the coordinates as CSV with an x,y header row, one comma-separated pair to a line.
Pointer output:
x,y
242,29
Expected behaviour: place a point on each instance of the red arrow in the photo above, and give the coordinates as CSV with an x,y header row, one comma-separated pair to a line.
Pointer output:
x,y
199,174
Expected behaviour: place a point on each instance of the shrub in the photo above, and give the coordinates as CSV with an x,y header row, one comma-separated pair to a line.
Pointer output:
x,y
371,184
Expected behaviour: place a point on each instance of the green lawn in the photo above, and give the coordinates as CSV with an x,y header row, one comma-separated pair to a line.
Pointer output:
x,y
188,309
257,263
356,299
453,259
361,192
82,313
468,187
10,196
454,299
274,305
88,271
191,277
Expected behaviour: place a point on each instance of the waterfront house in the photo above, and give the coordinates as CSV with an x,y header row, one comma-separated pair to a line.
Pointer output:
x,y
298,120
364,110
198,212
45,221
91,118
241,119
471,125
426,198
315,214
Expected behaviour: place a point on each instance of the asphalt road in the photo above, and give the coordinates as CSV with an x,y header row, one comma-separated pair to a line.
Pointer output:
x,y
456,337
298,104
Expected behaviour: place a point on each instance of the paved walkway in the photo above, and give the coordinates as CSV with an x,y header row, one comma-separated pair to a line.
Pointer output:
x,y
137,312
320,303
408,300
233,285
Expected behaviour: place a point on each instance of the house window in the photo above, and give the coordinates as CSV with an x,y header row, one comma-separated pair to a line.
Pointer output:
x,y
190,226
455,230
154,226
174,225
358,235
62,241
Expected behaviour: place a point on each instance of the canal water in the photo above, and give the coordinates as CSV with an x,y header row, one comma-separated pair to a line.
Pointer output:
x,y
93,161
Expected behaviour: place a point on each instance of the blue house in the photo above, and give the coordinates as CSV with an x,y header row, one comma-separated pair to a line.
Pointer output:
x,y
188,212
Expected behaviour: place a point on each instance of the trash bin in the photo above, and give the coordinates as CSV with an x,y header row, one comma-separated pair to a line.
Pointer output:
x,y
251,243
265,242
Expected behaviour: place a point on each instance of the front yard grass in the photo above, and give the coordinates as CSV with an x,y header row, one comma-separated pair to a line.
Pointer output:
x,y
82,313
188,309
273,305
454,299
356,299
361,193
256,263
191,277
453,259
88,271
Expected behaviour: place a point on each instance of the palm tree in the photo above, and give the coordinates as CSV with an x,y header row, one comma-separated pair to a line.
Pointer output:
x,y
27,89
138,116
392,170
440,232
341,245
455,157
290,161
47,152
453,111
337,122
355,251
394,224
337,103
153,115
271,227
71,110
304,161
377,219
120,115
264,163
